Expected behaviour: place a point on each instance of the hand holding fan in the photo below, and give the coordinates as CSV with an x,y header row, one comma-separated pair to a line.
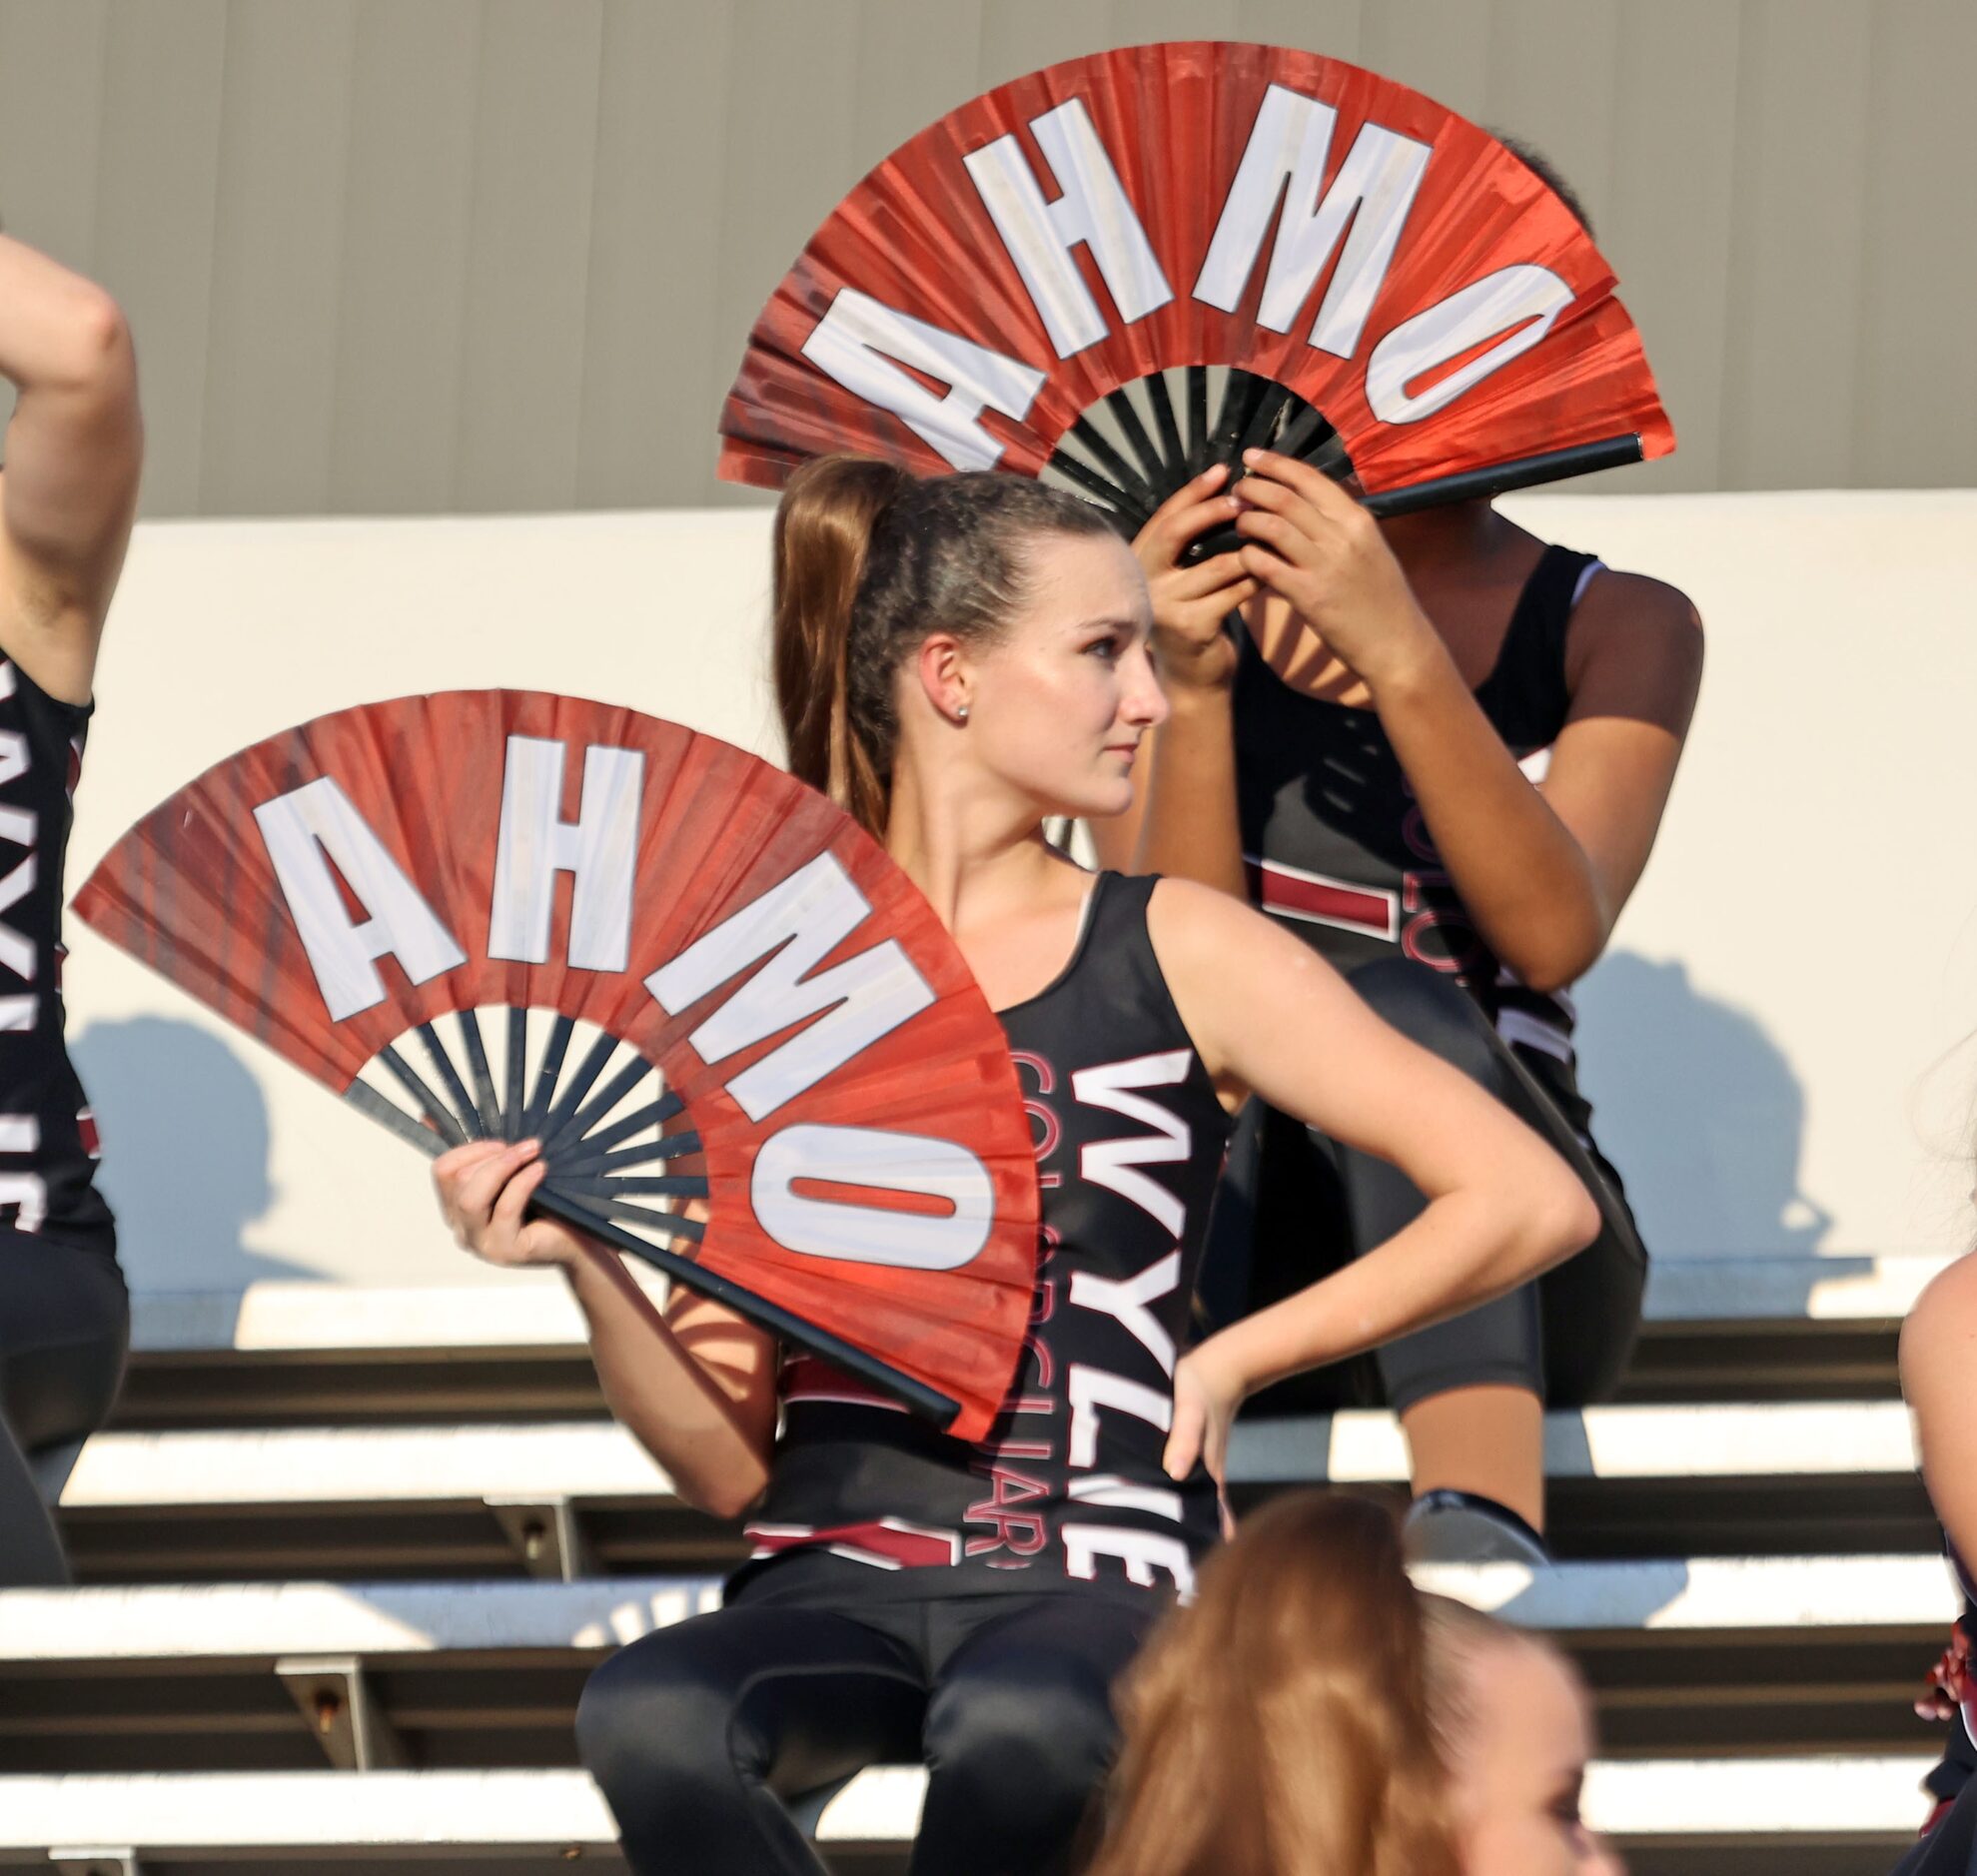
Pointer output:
x,y
1066,276
686,954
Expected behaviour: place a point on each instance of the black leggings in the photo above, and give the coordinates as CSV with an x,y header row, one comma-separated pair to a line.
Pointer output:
x,y
64,1329
699,1733
1294,1204
1951,1848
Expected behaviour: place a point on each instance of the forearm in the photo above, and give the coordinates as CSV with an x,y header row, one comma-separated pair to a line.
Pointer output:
x,y
1191,830
1521,874
671,1403
1463,1249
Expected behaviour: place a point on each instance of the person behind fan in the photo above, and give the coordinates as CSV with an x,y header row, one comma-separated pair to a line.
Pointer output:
x,y
957,659
1311,1711
1439,751
68,495
1938,1356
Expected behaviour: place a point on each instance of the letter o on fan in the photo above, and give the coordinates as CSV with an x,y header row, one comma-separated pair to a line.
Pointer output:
x,y
879,1162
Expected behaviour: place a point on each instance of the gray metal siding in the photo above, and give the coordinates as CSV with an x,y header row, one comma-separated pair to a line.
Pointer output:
x,y
417,256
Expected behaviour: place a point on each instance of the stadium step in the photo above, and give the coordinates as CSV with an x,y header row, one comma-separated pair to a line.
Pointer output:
x,y
1811,1817
1747,1656
276,1353
1693,1480
450,1535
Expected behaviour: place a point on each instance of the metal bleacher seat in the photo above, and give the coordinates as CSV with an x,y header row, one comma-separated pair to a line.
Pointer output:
x,y
347,1557
1805,1817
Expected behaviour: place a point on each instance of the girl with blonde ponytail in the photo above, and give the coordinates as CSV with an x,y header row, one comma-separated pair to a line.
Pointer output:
x,y
955,661
1313,1714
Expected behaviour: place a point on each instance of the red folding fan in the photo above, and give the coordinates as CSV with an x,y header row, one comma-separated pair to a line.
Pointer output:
x,y
691,961
1067,275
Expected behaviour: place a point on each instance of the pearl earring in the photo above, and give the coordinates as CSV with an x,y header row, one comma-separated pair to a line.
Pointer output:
x,y
961,713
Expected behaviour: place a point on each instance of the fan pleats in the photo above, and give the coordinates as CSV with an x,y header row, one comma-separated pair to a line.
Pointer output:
x,y
1313,231
411,813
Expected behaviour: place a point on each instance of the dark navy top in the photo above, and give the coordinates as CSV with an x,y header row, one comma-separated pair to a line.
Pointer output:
x,y
48,1142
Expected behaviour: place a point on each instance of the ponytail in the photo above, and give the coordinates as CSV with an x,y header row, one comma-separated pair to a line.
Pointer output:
x,y
824,536
868,561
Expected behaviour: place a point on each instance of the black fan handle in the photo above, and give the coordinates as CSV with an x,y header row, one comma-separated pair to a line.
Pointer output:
x,y
1525,471
925,1401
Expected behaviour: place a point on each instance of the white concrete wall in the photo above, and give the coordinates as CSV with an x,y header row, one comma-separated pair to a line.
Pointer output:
x,y
1760,1041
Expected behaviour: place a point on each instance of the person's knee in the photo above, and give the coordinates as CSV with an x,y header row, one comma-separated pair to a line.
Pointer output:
x,y
655,1714
1432,1008
1499,1345
1031,1739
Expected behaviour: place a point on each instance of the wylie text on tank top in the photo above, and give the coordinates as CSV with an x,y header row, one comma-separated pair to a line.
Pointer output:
x,y
48,1141
1068,1489
1339,852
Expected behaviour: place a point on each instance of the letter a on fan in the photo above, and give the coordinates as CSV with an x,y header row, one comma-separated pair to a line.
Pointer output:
x,y
752,1053
1122,269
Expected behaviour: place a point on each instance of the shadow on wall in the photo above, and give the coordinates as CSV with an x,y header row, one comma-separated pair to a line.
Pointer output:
x,y
1699,1110
185,1153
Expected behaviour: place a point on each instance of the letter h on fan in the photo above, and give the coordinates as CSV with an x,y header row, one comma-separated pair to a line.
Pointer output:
x,y
766,1069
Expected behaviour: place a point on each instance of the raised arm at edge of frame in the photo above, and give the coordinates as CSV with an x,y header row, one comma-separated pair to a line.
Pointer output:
x,y
1938,1361
73,457
74,453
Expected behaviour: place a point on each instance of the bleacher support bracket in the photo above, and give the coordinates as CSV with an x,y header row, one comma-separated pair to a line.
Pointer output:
x,y
548,1536
338,1706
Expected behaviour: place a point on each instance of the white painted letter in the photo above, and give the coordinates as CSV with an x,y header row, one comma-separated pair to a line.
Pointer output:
x,y
599,849
857,339
17,951
1142,1552
1126,1299
1494,304
315,820
1122,1494
802,921
16,824
1375,189
1092,209
21,1133
1089,1388
879,1162
1111,1162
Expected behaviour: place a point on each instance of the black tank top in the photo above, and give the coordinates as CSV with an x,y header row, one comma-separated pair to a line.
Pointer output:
x,y
47,1133
1339,852
1068,1489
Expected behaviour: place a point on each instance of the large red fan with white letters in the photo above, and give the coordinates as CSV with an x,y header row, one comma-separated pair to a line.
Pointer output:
x,y
502,914
1117,271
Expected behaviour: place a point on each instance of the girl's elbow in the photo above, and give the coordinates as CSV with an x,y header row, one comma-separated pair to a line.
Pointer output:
x,y
1560,959
1567,1220
727,1497
726,1503
1563,946
1546,1217
1550,975
97,355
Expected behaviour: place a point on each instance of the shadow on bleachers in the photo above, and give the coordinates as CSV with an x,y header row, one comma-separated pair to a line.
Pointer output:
x,y
186,1148
1700,1110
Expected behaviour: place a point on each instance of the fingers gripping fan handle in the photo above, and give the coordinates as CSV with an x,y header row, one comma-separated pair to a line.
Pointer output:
x,y
753,1055
1119,269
